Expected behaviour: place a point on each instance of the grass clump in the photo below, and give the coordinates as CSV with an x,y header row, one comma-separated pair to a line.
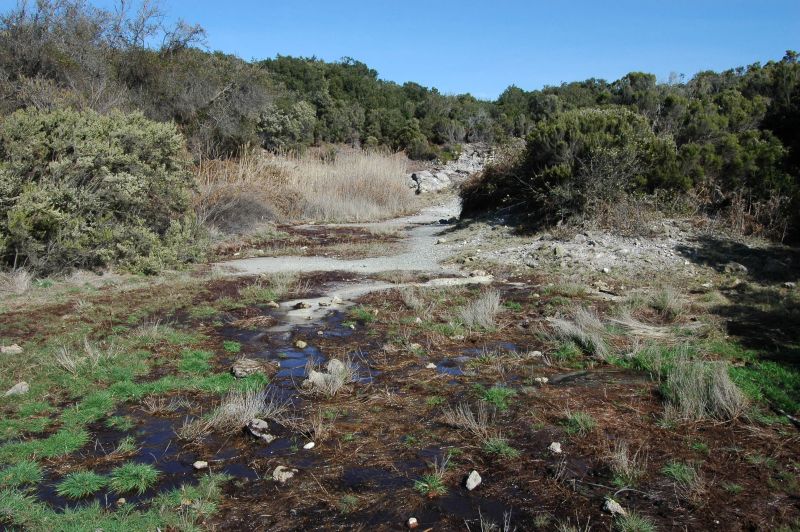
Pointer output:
x,y
688,482
195,361
500,446
627,467
362,314
231,347
633,522
668,304
497,395
81,484
432,484
579,423
770,382
481,311
132,477
585,330
24,473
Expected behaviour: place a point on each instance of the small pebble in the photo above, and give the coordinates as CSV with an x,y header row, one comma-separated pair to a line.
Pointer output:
x,y
309,445
200,464
430,365
412,522
121,501
555,448
300,344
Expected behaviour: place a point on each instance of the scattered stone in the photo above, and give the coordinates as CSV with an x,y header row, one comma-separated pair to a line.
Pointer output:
x,y
244,367
415,346
535,354
559,251
458,337
412,522
272,304
324,304
530,261
302,305
467,260
541,380
787,284
200,464
430,365
478,273
320,333
441,241
606,270
418,320
473,480
12,349
260,429
20,388
614,508
735,267
282,474
121,501
555,448
300,344
336,300
310,445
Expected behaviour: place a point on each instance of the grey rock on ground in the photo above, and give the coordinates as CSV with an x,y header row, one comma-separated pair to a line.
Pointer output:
x,y
12,349
282,474
473,480
246,366
20,388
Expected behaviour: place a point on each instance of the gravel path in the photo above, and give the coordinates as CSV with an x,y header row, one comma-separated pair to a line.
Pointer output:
x,y
421,252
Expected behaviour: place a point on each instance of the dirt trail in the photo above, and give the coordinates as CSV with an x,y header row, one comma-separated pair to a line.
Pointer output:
x,y
421,253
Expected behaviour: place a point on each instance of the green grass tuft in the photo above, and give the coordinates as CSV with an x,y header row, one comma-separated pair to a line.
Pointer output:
x,y
497,395
133,477
500,446
81,484
579,423
25,473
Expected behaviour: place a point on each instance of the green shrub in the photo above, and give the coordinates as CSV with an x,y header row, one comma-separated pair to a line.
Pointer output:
x,y
80,189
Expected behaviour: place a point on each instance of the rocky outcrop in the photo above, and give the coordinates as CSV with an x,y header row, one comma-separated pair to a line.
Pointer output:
x,y
441,177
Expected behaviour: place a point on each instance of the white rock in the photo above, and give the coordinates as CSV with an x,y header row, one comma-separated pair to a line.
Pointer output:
x,y
246,366
412,522
336,300
535,354
272,304
473,480
20,388
555,448
12,349
415,346
282,474
541,380
200,464
614,508
309,446
430,365
300,344
260,429
606,270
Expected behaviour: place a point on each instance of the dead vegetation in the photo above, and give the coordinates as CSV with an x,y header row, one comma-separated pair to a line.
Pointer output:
x,y
585,329
235,411
481,311
236,196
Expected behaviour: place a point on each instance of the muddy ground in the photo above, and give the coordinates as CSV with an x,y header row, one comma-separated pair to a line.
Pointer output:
x,y
378,436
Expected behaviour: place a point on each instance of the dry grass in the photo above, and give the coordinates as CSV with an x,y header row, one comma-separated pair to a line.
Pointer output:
x,y
355,186
668,303
627,467
16,282
699,389
73,361
236,410
476,423
481,311
585,329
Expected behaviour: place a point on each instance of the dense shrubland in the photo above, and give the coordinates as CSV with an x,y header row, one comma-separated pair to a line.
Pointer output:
x,y
106,114
84,190
730,140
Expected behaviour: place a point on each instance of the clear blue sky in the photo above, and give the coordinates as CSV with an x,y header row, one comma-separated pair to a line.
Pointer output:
x,y
482,47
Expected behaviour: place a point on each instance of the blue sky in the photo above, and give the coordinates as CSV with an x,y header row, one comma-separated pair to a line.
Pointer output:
x,y
481,47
